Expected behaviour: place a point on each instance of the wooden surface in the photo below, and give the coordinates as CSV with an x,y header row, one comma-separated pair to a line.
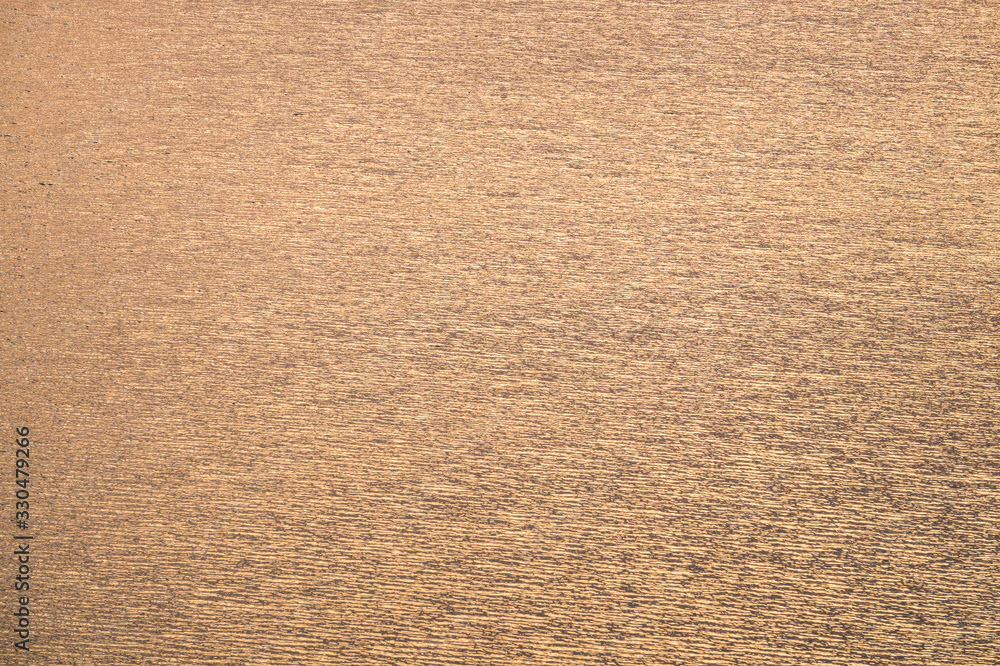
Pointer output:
x,y
504,332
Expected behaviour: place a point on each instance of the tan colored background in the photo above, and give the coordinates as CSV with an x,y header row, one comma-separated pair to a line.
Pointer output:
x,y
504,332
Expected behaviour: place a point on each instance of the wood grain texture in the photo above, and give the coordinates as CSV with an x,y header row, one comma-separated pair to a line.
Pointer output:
x,y
505,332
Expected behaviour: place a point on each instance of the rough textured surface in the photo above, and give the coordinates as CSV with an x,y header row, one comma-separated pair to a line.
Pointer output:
x,y
504,332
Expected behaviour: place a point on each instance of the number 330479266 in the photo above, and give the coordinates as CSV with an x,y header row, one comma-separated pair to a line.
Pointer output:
x,y
21,456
